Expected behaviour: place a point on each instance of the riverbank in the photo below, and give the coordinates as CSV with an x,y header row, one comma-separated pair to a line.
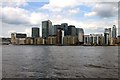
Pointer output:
x,y
58,45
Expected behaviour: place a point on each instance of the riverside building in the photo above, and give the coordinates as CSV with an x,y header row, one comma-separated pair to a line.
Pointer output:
x,y
107,36
80,34
18,38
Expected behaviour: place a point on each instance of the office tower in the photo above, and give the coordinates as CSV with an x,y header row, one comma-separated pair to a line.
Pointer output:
x,y
46,28
64,26
55,29
80,34
107,36
114,31
35,32
71,30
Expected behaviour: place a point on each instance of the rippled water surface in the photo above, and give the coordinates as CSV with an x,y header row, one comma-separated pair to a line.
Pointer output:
x,y
59,61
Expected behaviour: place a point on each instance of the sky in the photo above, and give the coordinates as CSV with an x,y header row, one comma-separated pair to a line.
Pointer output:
x,y
21,15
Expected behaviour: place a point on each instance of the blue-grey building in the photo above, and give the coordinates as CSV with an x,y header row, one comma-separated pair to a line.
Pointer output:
x,y
65,28
54,29
35,32
46,28
71,30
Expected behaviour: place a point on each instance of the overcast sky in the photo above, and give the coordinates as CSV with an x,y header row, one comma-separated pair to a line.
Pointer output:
x,y
93,17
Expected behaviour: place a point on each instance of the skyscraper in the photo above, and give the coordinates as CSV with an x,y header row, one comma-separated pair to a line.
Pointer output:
x,y
46,28
54,29
35,32
65,28
71,30
60,35
114,31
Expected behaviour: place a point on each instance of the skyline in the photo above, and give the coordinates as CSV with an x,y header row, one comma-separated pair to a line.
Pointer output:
x,y
92,17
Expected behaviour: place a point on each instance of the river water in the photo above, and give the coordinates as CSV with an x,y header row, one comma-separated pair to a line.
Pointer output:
x,y
20,61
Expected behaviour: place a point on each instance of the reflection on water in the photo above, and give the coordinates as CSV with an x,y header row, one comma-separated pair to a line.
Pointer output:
x,y
59,62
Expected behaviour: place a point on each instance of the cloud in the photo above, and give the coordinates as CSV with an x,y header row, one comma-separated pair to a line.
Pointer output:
x,y
74,11
7,29
37,17
13,3
58,5
15,15
104,10
28,31
90,14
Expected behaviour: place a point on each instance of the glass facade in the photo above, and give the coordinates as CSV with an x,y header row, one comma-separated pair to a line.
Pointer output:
x,y
46,28
35,32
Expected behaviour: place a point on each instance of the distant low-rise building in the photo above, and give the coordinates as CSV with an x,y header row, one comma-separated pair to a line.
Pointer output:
x,y
52,40
116,41
29,41
5,41
18,38
39,41
93,39
86,39
70,40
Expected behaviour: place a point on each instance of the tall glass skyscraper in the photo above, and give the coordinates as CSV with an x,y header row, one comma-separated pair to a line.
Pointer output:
x,y
46,28
35,32
114,31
